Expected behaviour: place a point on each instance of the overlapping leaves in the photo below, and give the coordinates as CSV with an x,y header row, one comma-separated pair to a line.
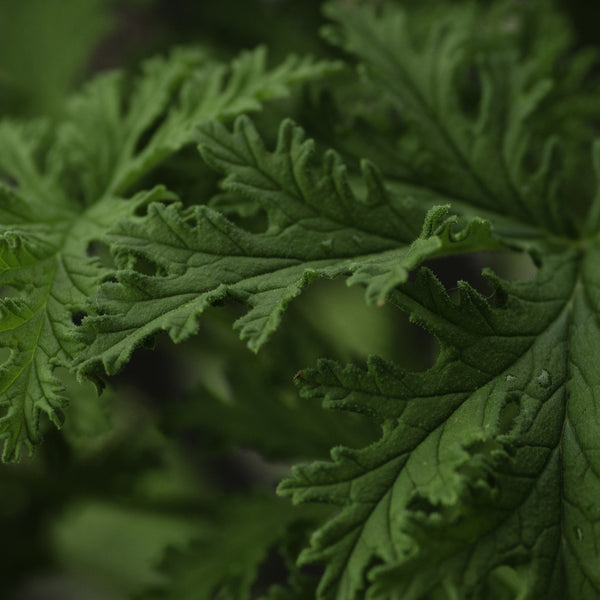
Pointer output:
x,y
468,109
486,460
318,227
485,481
63,187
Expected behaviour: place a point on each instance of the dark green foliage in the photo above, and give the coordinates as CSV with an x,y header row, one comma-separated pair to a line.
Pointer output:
x,y
313,460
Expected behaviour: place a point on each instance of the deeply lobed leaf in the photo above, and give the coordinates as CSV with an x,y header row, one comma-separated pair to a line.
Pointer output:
x,y
318,227
470,473
471,142
484,482
62,189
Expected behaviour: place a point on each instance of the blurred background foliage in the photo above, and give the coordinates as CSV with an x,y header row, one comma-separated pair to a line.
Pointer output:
x,y
153,477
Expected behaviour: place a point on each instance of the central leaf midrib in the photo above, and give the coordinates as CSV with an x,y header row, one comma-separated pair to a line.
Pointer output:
x,y
567,306
581,289
399,247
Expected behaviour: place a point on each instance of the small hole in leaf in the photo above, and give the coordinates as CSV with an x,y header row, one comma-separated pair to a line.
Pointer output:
x,y
192,222
101,250
420,504
485,447
77,318
509,414
146,266
491,481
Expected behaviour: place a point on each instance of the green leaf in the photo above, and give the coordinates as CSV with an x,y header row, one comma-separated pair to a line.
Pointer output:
x,y
50,279
134,130
137,539
318,227
486,460
484,483
62,189
226,563
472,144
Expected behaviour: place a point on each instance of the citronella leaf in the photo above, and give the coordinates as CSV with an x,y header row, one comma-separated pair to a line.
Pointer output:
x,y
486,461
134,131
63,188
489,160
227,562
484,483
318,227
47,279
